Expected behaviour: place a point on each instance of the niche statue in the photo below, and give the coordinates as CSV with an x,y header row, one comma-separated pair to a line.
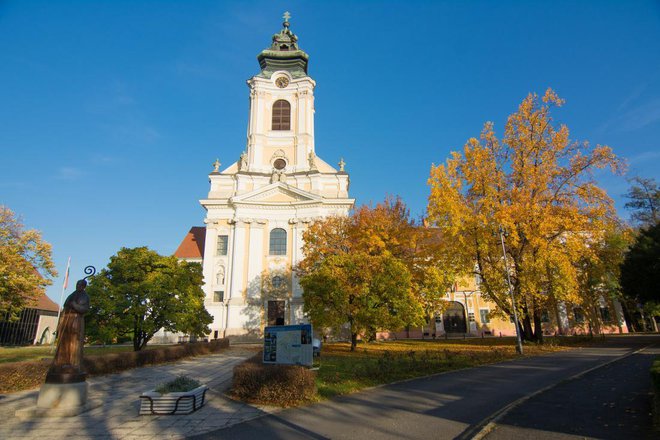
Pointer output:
x,y
67,364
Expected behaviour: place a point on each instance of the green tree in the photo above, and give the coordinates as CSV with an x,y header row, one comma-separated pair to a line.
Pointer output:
x,y
141,292
25,263
644,202
640,271
357,270
599,275
366,292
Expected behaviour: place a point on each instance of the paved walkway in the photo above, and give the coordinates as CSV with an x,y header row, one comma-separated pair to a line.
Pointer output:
x,y
118,417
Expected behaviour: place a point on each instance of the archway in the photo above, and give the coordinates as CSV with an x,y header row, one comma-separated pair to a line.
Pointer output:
x,y
454,318
45,336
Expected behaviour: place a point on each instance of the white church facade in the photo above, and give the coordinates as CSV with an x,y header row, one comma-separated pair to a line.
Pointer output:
x,y
258,207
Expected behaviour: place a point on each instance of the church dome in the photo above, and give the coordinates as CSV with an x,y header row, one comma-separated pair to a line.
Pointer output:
x,y
283,54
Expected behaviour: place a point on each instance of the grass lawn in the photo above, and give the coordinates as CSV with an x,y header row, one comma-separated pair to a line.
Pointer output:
x,y
342,371
36,353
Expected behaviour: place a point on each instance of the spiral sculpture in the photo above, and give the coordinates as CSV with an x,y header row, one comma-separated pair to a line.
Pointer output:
x,y
89,271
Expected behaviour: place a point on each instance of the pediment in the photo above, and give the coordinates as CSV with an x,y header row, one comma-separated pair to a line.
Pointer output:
x,y
277,193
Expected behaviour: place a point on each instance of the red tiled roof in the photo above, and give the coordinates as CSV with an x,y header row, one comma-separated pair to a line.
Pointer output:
x,y
42,302
192,245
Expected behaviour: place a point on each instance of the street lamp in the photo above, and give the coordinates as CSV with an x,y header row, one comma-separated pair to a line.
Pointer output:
x,y
519,347
467,294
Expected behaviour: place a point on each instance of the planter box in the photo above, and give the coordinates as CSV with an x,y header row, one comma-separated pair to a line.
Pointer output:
x,y
153,403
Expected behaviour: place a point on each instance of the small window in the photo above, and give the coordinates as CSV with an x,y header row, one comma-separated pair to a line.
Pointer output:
x,y
218,296
545,316
281,115
578,315
222,244
605,314
278,281
483,314
278,242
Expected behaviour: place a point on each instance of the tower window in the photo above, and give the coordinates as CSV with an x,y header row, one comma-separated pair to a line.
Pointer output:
x,y
281,115
223,240
278,242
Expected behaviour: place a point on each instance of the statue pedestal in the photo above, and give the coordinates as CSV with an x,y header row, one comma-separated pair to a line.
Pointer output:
x,y
60,400
62,395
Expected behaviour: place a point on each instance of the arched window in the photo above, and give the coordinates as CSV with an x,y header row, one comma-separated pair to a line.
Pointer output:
x,y
281,115
278,242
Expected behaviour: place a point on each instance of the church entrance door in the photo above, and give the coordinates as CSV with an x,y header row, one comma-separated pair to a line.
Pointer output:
x,y
276,312
454,318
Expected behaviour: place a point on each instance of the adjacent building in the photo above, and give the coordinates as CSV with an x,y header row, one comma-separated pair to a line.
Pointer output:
x,y
35,324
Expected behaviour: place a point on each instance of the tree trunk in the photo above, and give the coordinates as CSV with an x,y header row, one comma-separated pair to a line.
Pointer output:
x,y
538,327
555,303
353,341
371,334
631,322
528,333
136,335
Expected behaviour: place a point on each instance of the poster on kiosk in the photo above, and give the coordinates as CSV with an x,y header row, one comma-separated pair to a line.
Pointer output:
x,y
288,345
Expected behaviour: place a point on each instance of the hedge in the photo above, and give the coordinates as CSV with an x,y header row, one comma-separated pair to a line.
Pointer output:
x,y
17,376
267,384
655,378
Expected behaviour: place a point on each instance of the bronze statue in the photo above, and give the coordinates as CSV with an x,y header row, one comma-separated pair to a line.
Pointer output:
x,y
67,365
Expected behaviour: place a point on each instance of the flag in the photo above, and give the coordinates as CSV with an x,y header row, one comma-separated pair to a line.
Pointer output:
x,y
66,275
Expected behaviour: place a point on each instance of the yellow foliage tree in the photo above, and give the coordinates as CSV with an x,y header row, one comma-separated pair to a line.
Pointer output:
x,y
25,264
538,185
362,270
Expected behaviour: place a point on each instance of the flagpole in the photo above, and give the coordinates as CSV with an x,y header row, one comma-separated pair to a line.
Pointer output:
x,y
59,310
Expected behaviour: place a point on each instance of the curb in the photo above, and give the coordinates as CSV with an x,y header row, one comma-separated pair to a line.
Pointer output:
x,y
485,426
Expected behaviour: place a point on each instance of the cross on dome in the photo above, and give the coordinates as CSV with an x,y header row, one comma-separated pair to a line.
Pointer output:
x,y
284,53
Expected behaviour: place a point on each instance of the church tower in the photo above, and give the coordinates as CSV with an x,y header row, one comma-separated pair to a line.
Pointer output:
x,y
259,206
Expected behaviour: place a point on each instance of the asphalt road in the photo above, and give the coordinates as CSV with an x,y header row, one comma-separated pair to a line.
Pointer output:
x,y
445,406
612,402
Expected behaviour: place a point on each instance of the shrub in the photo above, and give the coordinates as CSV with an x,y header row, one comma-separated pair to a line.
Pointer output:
x,y
111,363
19,376
178,385
280,385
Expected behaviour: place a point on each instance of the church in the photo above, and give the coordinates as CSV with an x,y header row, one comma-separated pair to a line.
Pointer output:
x,y
258,207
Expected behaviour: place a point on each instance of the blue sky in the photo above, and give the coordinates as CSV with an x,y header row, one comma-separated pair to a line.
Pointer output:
x,y
111,112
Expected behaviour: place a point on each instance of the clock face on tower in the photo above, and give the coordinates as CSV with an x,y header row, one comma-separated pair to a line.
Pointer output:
x,y
282,82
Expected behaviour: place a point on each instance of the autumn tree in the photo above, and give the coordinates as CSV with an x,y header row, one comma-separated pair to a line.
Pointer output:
x,y
141,292
538,186
356,270
26,264
433,268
